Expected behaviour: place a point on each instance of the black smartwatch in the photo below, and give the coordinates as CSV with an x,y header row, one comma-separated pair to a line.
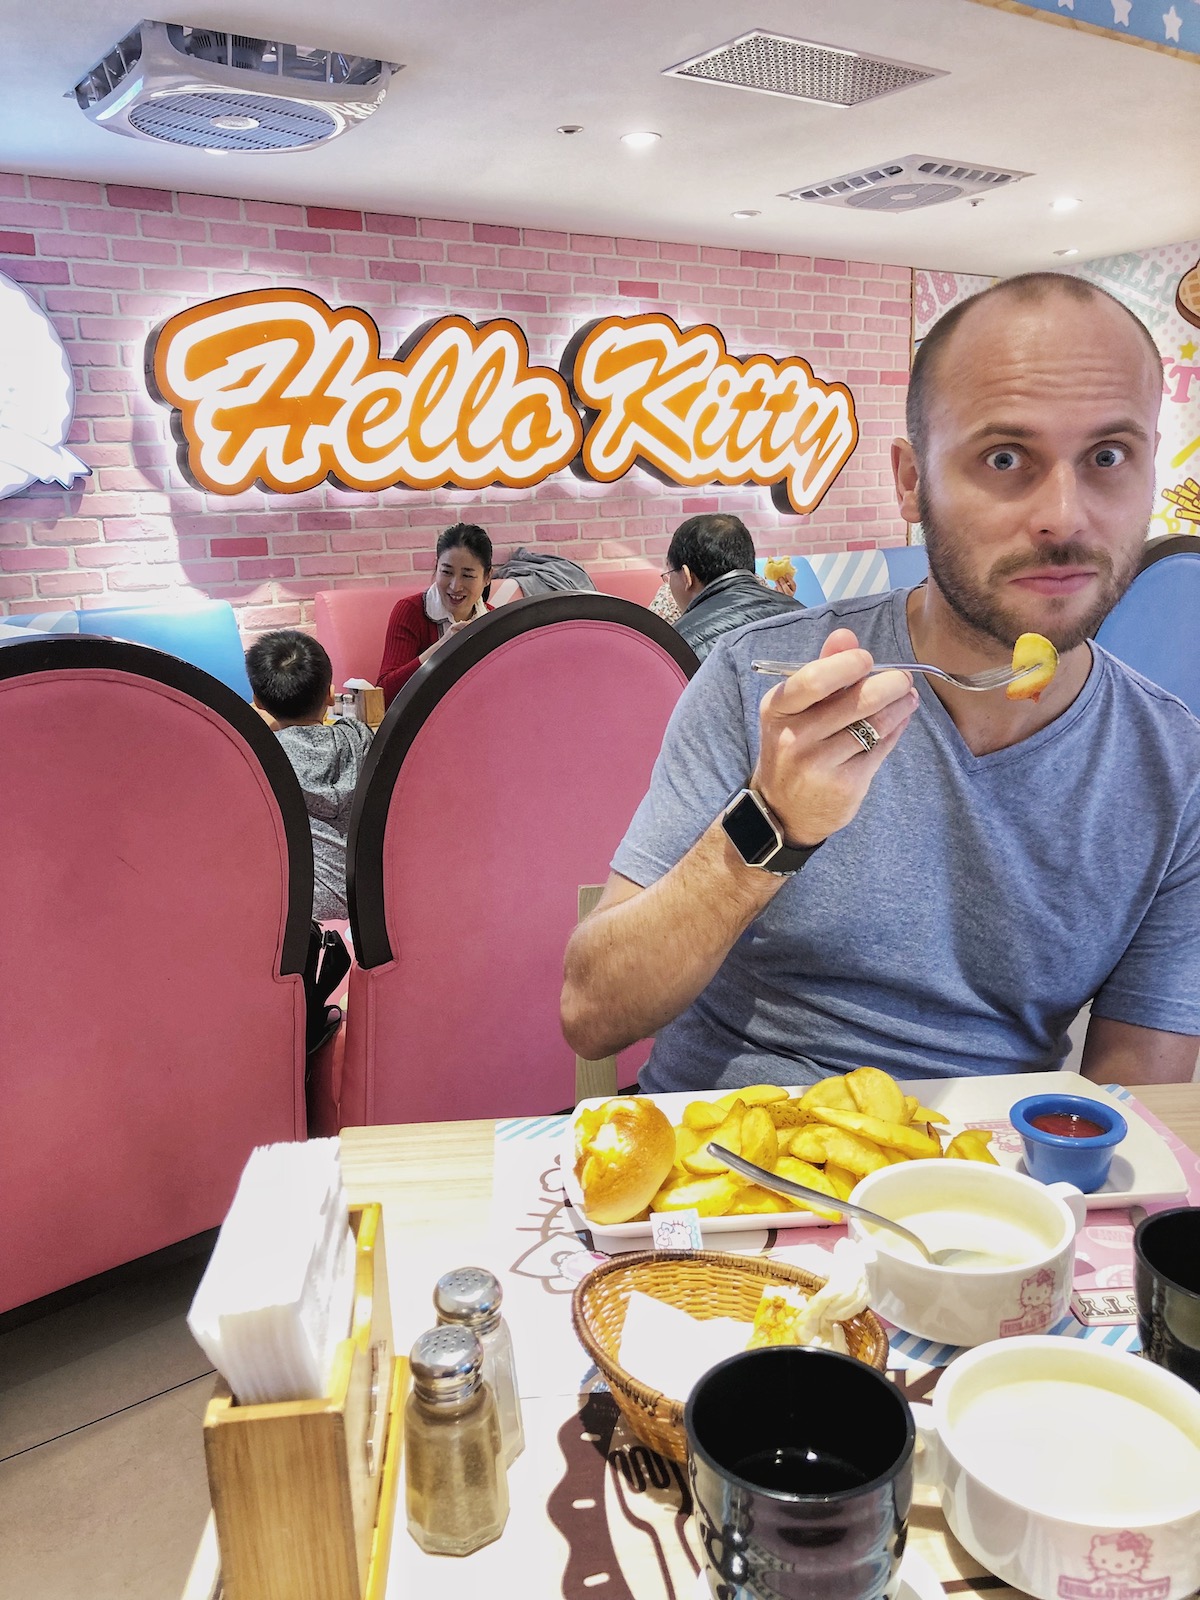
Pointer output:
x,y
758,838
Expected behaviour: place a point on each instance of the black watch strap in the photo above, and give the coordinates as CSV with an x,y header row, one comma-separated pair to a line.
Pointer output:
x,y
788,859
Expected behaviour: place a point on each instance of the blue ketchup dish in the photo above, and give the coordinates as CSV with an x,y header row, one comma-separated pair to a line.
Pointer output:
x,y
1060,1144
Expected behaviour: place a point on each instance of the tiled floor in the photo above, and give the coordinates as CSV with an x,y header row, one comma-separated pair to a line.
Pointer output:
x,y
103,1493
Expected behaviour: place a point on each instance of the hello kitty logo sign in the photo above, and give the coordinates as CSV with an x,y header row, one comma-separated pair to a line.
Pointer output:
x,y
677,403
274,387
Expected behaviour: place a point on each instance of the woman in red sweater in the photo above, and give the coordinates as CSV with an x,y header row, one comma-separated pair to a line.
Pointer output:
x,y
421,623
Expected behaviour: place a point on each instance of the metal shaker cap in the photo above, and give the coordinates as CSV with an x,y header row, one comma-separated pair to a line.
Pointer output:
x,y
471,1296
445,1364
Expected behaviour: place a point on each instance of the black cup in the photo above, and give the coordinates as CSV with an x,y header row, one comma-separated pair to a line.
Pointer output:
x,y
1166,1268
801,1470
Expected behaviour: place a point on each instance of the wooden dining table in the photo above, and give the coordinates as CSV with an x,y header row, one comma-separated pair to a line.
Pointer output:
x,y
593,1512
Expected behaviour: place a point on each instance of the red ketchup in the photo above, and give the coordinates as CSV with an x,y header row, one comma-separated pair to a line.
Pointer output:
x,y
1066,1124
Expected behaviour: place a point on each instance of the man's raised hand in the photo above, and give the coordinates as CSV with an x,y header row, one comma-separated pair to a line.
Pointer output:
x,y
812,771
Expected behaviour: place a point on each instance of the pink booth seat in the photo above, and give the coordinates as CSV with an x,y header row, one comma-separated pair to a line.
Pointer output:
x,y
501,781
639,584
351,624
158,893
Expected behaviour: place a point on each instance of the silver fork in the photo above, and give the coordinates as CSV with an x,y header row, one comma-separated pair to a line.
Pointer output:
x,y
993,678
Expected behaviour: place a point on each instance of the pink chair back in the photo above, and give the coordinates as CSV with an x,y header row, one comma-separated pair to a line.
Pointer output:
x,y
639,584
351,624
158,894
501,781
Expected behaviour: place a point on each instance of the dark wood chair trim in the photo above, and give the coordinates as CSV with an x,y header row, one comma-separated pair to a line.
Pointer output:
x,y
73,653
1171,544
416,702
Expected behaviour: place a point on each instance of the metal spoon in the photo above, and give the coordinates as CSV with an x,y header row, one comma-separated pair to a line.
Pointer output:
x,y
948,1257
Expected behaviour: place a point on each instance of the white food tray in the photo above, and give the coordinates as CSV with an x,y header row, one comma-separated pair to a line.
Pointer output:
x,y
1143,1168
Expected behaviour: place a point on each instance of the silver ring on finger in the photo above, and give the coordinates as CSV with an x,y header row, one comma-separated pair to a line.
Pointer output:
x,y
866,734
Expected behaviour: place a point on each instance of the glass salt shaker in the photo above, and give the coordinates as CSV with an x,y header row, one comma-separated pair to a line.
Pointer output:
x,y
471,1296
456,1487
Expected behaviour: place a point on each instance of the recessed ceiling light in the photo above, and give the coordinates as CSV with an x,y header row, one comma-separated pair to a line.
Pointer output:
x,y
744,216
1071,252
1065,202
640,141
570,127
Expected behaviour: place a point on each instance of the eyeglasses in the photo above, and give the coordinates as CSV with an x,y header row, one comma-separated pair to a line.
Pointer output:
x,y
668,574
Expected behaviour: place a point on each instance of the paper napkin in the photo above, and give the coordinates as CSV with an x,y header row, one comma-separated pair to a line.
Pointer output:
x,y
276,1297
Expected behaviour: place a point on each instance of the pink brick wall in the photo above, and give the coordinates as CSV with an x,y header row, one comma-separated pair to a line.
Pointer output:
x,y
109,262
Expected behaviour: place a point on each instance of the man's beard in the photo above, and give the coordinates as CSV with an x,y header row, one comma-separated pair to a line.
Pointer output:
x,y
975,603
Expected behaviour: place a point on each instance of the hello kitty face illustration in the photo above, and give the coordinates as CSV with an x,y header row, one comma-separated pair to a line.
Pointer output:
x,y
1119,1555
1037,1291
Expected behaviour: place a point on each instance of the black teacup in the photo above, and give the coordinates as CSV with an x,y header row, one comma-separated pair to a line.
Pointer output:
x,y
801,1470
1166,1267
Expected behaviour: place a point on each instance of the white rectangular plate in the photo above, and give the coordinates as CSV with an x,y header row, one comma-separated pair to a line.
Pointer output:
x,y
1143,1168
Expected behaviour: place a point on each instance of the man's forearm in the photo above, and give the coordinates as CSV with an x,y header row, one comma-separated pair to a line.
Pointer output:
x,y
631,967
1118,1052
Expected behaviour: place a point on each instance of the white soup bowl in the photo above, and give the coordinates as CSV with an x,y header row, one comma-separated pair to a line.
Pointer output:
x,y
1027,1293
1068,1469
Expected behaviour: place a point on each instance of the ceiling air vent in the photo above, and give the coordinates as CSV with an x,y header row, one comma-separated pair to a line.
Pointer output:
x,y
771,63
228,91
907,184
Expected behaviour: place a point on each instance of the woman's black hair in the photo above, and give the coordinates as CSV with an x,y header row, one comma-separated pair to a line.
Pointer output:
x,y
469,536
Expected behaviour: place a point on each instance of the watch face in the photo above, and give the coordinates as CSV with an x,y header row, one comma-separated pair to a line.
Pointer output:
x,y
753,836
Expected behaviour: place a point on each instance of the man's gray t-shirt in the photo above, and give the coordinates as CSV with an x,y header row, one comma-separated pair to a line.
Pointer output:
x,y
958,923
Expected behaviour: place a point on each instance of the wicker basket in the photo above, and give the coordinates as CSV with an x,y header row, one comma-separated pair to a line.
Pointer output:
x,y
704,1283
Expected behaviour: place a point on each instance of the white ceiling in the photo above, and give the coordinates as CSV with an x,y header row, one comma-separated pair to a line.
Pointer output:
x,y
468,127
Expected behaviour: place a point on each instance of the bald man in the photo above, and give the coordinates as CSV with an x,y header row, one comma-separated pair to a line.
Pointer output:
x,y
848,867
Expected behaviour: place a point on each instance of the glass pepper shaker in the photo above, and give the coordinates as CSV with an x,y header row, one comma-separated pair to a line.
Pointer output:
x,y
470,1297
456,1486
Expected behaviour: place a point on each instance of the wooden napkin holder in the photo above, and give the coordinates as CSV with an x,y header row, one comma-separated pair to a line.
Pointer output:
x,y
304,1491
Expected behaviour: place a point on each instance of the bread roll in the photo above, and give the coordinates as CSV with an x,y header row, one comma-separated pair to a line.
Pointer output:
x,y
1187,296
624,1150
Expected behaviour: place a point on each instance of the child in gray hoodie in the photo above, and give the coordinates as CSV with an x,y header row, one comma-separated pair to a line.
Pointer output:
x,y
292,679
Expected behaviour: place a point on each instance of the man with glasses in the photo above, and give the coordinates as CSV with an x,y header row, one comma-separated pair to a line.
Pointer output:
x,y
710,573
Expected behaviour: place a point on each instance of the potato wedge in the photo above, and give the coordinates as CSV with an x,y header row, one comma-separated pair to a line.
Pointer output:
x,y
911,1106
842,1181
788,1113
810,1143
758,1094
711,1197
1032,651
729,1134
829,1092
760,1142
915,1142
924,1114
876,1094
972,1145
812,1178
895,1157
851,1151
754,1201
703,1114
687,1142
